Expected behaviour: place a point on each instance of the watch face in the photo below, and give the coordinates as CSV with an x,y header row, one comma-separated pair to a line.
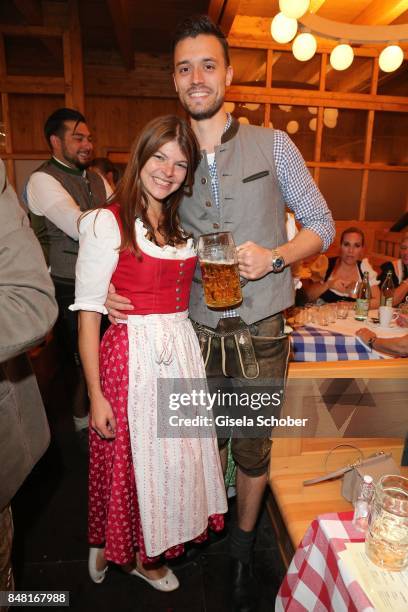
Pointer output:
x,y
278,264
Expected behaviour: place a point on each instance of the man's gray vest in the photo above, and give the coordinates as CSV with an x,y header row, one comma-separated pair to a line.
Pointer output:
x,y
251,207
88,191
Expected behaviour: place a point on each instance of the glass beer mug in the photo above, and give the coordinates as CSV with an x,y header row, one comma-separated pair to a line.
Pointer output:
x,y
219,269
387,536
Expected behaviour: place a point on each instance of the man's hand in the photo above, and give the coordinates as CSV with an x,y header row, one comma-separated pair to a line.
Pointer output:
x,y
116,305
340,285
102,418
365,334
254,261
402,320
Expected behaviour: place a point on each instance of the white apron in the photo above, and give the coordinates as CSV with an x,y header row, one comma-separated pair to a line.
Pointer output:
x,y
179,481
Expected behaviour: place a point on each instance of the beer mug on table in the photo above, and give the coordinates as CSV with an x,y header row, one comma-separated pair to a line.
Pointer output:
x,y
219,269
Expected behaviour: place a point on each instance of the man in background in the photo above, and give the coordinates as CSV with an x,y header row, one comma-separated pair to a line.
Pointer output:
x,y
57,193
27,311
105,168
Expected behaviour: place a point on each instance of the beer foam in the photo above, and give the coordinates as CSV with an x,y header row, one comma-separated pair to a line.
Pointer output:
x,y
219,262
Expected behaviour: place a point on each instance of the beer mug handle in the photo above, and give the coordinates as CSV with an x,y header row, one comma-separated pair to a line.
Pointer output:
x,y
243,281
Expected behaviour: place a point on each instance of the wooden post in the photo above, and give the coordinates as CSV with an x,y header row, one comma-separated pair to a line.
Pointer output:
x,y
8,148
73,61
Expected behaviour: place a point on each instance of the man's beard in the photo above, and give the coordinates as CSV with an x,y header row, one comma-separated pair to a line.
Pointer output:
x,y
75,161
204,114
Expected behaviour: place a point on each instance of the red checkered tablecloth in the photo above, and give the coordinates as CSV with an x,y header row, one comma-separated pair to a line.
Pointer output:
x,y
317,580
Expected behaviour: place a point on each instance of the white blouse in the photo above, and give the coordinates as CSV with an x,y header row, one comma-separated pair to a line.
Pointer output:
x,y
365,267
99,242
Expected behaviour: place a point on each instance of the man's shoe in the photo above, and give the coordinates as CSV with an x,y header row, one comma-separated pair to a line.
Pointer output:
x,y
244,587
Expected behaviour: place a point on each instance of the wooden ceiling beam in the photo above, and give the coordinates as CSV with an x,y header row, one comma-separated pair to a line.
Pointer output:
x,y
31,31
215,10
223,13
32,13
32,85
119,11
379,12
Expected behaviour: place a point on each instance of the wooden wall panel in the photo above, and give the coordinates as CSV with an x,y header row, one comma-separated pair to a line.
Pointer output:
x,y
28,114
115,122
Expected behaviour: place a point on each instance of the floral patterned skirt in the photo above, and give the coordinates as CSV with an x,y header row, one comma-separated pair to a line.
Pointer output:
x,y
114,519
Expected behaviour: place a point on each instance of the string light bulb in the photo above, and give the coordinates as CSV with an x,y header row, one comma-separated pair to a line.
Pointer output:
x,y
294,8
341,57
391,58
304,47
283,28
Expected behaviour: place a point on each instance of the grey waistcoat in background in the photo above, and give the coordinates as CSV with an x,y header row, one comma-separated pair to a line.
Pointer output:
x,y
87,192
251,207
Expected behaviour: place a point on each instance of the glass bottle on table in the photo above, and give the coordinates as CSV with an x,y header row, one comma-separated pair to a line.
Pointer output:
x,y
387,290
363,299
362,504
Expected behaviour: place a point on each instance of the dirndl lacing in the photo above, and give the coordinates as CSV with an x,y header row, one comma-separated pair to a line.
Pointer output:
x,y
163,332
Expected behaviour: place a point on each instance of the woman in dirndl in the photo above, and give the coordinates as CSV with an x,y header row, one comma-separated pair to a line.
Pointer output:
x,y
148,495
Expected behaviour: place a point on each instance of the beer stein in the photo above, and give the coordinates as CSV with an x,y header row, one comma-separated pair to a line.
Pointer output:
x,y
387,536
219,269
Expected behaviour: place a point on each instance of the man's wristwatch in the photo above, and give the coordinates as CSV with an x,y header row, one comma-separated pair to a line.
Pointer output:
x,y
278,262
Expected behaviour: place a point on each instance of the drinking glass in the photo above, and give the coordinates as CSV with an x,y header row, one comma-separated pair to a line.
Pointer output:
x,y
332,312
342,310
355,290
219,269
387,535
322,315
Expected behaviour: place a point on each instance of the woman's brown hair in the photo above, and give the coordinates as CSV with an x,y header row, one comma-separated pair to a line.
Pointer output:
x,y
130,193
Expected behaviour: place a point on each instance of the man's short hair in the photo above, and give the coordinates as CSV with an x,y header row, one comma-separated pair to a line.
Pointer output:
x,y
55,124
200,24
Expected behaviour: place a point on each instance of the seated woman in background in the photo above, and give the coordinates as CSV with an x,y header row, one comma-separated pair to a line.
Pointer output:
x,y
399,271
344,272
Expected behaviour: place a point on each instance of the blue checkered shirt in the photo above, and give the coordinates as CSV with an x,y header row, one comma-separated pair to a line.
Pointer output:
x,y
299,191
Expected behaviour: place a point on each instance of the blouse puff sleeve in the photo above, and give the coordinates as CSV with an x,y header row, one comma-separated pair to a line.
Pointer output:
x,y
99,239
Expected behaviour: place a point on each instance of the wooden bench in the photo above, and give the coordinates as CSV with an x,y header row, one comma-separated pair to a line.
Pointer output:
x,y
291,505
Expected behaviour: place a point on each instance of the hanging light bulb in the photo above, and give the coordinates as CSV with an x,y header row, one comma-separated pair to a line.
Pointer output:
x,y
286,108
283,28
330,116
312,110
341,57
391,58
251,107
313,124
292,127
294,8
304,47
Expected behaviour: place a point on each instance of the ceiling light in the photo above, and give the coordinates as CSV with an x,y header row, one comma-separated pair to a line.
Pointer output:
x,y
229,107
252,107
283,28
292,127
243,120
313,124
391,58
294,8
341,57
304,47
312,110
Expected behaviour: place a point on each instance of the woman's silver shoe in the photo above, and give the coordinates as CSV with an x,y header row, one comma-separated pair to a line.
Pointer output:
x,y
168,583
